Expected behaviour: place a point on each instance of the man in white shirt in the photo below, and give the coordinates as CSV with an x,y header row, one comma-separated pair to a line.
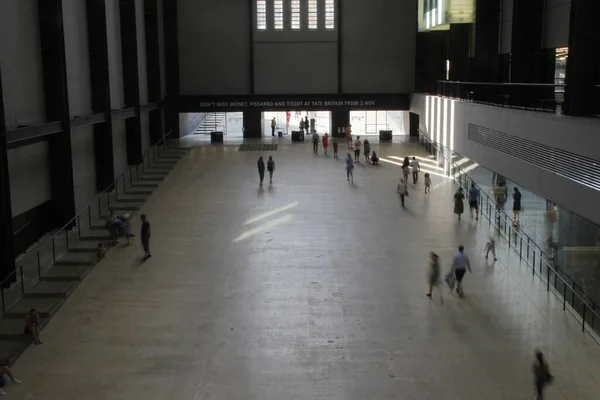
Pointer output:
x,y
460,264
414,164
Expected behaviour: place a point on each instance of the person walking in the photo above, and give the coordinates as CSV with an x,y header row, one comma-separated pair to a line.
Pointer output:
x,y
315,139
367,150
307,125
271,168
349,168
516,205
335,148
32,326
491,247
273,126
145,236
434,274
474,201
261,169
405,173
349,136
460,264
5,370
357,145
302,126
414,165
325,143
402,190
541,374
459,206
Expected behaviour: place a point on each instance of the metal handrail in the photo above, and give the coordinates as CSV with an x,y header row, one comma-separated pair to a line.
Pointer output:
x,y
504,83
76,220
491,212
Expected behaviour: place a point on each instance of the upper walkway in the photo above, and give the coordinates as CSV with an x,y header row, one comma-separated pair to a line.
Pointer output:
x,y
310,288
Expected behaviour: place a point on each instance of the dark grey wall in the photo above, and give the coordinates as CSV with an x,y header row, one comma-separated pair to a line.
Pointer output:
x,y
23,94
377,55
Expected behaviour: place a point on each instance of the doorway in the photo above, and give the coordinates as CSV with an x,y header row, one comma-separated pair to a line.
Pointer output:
x,y
288,121
366,123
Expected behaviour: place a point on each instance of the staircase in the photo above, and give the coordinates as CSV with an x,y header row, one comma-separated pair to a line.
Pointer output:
x,y
71,255
212,123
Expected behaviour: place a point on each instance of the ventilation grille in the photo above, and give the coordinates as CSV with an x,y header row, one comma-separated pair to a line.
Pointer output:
x,y
583,170
258,147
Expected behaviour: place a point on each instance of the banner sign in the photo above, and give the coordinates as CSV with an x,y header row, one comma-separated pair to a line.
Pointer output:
x,y
290,103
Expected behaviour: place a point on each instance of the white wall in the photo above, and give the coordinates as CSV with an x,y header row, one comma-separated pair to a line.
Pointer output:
x,y
575,135
557,20
21,63
214,47
378,46
29,172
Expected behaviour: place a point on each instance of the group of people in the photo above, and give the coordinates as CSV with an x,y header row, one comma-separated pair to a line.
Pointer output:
x,y
261,169
121,226
459,198
370,157
408,167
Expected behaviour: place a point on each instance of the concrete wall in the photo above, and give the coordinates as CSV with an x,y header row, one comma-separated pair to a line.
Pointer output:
x,y
23,95
575,135
214,47
506,21
216,57
557,19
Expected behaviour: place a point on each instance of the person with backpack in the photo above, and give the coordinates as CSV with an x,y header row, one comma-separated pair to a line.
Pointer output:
x,y
541,374
273,126
315,138
271,168
434,275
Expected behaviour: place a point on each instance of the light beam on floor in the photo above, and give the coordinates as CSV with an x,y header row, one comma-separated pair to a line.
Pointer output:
x,y
262,228
271,213
423,170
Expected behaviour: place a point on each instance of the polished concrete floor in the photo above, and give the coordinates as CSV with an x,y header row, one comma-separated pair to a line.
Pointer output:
x,y
310,288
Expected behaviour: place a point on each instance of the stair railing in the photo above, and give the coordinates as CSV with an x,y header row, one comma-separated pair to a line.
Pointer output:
x,y
31,265
557,281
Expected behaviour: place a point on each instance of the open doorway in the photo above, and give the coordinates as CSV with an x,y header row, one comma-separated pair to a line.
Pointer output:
x,y
288,121
365,123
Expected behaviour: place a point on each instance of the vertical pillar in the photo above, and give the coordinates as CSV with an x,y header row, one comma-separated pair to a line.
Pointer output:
x,y
526,44
7,256
487,36
340,118
171,64
100,80
458,52
432,54
583,64
253,124
57,109
153,68
131,82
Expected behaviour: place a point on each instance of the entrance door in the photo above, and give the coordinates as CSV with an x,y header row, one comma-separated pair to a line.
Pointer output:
x,y
366,123
288,121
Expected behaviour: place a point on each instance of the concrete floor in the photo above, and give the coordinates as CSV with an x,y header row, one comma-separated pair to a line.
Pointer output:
x,y
312,288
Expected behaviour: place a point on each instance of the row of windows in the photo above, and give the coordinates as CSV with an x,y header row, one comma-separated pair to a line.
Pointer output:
x,y
295,14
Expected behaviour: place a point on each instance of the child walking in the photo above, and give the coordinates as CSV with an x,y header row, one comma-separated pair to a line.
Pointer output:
x,y
427,183
402,190
491,246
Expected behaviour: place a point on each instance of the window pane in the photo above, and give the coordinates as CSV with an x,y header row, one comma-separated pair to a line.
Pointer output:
x,y
313,14
261,14
278,14
329,14
295,11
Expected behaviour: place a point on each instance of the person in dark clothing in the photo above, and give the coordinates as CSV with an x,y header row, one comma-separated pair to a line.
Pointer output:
x,y
459,206
541,374
307,124
261,169
271,168
145,235
516,205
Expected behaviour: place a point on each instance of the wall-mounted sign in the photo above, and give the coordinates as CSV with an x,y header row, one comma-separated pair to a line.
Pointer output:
x,y
289,103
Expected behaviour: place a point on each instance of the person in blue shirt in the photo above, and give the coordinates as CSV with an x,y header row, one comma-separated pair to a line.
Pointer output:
x,y
474,201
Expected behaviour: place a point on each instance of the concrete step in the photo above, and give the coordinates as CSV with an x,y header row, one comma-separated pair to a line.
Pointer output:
x,y
151,178
10,350
138,192
45,306
125,198
83,246
57,289
125,207
99,237
12,329
76,260
62,273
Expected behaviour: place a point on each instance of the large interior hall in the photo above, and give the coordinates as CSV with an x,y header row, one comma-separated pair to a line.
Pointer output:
x,y
299,199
